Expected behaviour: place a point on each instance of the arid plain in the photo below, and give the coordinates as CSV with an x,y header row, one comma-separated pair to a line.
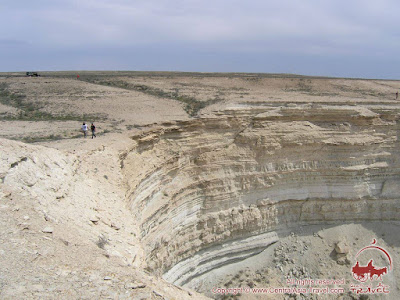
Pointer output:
x,y
195,181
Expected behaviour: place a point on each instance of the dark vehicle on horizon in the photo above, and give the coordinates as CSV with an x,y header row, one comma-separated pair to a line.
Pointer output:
x,y
32,74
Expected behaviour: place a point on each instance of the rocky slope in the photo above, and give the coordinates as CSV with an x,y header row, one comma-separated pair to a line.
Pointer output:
x,y
65,230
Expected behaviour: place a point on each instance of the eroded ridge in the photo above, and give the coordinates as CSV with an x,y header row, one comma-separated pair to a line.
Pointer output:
x,y
196,185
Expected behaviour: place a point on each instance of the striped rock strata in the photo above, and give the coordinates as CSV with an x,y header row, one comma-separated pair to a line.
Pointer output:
x,y
199,187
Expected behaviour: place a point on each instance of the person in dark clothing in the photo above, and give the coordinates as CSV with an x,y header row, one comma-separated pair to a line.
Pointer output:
x,y
93,129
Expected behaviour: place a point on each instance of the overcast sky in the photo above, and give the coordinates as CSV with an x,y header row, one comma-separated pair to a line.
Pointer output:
x,y
351,38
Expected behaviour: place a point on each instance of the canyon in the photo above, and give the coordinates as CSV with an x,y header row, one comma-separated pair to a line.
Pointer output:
x,y
197,176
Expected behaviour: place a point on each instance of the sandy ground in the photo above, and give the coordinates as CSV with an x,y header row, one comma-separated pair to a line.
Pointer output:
x,y
117,109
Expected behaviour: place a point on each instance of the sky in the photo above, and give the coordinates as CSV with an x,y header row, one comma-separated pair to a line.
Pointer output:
x,y
339,38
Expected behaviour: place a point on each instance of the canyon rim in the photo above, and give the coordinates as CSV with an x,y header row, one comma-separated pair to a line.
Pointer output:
x,y
196,184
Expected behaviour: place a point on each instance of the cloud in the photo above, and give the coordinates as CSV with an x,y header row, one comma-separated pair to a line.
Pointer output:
x,y
314,28
130,22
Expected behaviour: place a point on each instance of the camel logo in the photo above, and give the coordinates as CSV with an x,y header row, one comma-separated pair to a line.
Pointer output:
x,y
370,271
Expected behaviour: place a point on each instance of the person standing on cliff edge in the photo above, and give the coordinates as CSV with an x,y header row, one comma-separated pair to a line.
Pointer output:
x,y
397,95
84,129
93,129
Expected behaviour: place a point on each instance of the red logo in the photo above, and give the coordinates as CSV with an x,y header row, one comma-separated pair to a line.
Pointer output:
x,y
370,271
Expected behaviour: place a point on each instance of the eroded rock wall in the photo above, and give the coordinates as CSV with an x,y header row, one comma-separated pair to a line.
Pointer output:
x,y
193,185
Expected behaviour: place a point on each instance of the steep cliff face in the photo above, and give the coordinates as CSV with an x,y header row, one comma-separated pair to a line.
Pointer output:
x,y
198,186
189,176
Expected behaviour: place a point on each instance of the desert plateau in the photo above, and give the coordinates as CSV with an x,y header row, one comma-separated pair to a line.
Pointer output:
x,y
199,186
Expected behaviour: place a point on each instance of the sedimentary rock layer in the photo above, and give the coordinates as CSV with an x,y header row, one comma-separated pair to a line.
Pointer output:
x,y
218,256
195,185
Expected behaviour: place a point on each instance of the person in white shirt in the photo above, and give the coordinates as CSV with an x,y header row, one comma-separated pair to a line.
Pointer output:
x,y
84,129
